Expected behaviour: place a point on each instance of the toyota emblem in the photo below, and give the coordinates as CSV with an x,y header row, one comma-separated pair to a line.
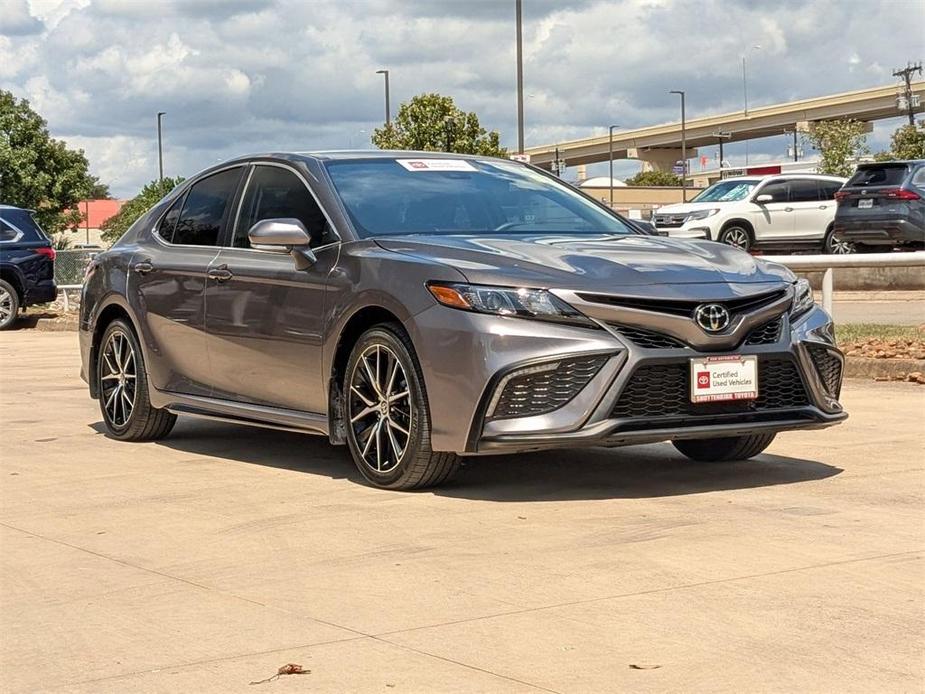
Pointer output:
x,y
712,317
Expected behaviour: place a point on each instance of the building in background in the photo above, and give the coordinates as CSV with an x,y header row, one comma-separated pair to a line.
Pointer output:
x,y
93,214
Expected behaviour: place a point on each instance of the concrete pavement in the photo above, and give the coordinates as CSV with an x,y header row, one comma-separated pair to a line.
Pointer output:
x,y
206,561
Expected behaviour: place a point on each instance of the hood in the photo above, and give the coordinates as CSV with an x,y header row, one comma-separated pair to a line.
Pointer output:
x,y
686,207
592,262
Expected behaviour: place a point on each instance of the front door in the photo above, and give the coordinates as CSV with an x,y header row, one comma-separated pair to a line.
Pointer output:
x,y
772,219
264,317
167,281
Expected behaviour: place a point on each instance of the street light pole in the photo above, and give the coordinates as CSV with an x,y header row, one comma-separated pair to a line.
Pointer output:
x,y
160,148
721,135
388,109
611,164
518,8
756,47
683,145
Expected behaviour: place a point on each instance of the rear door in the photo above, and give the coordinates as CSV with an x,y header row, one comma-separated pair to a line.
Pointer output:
x,y
772,220
811,213
264,317
168,279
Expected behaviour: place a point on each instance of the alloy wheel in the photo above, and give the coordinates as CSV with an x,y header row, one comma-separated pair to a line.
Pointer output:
x,y
6,305
380,408
118,378
838,246
736,237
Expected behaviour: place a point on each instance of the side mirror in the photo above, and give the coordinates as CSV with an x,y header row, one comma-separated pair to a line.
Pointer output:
x,y
285,234
763,198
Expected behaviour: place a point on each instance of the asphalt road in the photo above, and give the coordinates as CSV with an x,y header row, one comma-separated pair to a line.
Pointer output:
x,y
205,562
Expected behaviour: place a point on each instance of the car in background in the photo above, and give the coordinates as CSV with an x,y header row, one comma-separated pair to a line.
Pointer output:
x,y
782,212
882,206
27,264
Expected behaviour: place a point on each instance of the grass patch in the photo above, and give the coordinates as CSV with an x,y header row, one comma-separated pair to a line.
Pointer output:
x,y
857,332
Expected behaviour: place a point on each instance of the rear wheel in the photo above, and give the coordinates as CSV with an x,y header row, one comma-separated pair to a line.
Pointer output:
x,y
737,236
835,245
9,305
388,422
724,449
124,403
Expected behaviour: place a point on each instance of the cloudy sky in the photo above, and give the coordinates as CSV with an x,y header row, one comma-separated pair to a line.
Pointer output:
x,y
237,76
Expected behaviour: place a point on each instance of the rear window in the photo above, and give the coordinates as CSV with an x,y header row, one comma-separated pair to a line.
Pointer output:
x,y
20,220
885,175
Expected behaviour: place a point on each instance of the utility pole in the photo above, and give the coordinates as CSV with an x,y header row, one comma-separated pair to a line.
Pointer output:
x,y
388,109
906,75
683,145
611,164
518,8
160,148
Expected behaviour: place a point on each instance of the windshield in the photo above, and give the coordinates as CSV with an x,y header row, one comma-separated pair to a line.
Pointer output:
x,y
727,191
462,196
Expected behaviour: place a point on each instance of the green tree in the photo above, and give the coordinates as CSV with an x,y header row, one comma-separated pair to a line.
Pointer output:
x,y
433,123
654,178
118,224
36,171
98,191
840,143
908,142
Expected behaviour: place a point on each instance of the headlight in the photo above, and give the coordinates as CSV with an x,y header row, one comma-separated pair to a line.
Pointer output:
x,y
507,301
700,214
802,298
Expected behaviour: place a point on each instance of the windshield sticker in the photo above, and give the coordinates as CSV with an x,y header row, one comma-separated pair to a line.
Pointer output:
x,y
436,164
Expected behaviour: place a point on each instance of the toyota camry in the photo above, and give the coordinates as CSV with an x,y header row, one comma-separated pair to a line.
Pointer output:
x,y
424,307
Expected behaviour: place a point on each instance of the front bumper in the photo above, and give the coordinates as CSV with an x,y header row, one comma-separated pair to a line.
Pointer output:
x,y
691,230
469,359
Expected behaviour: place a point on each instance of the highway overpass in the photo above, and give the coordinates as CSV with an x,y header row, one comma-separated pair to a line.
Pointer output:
x,y
659,146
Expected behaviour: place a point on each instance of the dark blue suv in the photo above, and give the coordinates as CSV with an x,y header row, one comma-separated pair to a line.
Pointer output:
x,y
27,264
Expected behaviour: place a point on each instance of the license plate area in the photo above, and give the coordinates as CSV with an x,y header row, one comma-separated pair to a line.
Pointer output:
x,y
865,203
721,378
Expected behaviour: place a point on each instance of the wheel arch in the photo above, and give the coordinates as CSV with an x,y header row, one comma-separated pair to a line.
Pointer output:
x,y
738,221
13,276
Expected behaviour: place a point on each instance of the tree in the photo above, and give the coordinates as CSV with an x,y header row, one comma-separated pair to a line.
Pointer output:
x,y
150,195
434,123
839,142
98,191
654,178
908,142
38,172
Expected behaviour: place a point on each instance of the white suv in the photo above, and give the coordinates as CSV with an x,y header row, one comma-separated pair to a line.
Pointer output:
x,y
781,211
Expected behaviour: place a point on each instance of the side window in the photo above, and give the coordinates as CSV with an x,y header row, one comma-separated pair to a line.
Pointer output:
x,y
274,192
804,190
169,221
200,222
7,232
778,190
828,189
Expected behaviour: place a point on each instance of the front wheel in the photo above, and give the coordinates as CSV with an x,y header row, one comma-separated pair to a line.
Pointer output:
x,y
388,422
123,388
724,449
737,236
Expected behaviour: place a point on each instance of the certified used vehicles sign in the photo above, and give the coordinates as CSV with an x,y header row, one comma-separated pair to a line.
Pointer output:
x,y
732,377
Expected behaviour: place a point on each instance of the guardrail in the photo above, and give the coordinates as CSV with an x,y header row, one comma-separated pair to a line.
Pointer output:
x,y
829,262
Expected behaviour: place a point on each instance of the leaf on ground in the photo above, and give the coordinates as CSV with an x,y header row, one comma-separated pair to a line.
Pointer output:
x,y
634,666
287,669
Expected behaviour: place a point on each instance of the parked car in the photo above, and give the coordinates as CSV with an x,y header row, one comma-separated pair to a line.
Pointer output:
x,y
781,212
423,307
882,206
27,264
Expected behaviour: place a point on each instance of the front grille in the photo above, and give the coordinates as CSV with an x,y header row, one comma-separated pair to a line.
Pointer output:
x,y
534,392
667,221
767,334
648,339
663,391
829,368
684,307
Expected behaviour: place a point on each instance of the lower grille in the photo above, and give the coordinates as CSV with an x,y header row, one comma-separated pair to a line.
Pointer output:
x,y
766,334
648,339
663,390
545,388
829,368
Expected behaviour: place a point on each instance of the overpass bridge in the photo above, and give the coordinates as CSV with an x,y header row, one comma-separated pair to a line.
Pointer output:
x,y
659,146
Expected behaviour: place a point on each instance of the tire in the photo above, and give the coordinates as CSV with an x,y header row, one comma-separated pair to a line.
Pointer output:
x,y
400,457
737,236
9,305
832,245
127,413
724,449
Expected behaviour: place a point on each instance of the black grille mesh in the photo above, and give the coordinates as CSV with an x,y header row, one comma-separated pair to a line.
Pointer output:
x,y
649,339
766,334
829,368
663,390
545,391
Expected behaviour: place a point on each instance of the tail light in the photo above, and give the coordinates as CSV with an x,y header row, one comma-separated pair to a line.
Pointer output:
x,y
841,196
900,194
47,251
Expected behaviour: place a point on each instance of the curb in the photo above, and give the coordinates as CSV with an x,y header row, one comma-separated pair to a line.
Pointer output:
x,y
883,369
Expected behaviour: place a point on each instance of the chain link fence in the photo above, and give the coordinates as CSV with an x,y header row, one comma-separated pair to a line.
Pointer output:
x,y
70,266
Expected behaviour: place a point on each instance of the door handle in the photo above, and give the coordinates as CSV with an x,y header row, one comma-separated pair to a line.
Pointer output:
x,y
220,273
822,207
143,267
788,209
